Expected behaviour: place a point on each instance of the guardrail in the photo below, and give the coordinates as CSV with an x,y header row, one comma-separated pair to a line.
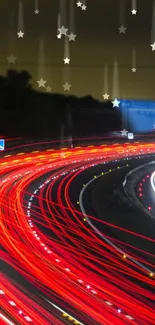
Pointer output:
x,y
129,185
66,142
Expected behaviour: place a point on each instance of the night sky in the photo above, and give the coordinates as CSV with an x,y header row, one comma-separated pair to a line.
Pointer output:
x,y
98,43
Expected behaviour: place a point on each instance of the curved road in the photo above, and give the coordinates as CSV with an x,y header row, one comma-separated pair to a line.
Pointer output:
x,y
55,268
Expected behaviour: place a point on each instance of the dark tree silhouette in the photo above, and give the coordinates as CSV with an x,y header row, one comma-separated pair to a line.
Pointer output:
x,y
24,79
25,111
19,79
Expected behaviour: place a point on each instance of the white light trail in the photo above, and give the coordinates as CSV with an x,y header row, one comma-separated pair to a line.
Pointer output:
x,y
115,88
41,59
134,5
72,16
106,85
5,319
133,58
122,13
62,311
20,17
153,24
152,181
36,4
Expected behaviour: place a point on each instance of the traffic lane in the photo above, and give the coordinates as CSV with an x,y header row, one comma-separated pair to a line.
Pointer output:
x,y
111,205
146,194
109,194
98,168
34,290
37,295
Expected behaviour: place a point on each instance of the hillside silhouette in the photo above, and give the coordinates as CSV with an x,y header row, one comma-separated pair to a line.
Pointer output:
x,y
28,112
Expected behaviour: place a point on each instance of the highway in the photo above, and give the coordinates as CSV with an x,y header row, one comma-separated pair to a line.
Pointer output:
x,y
68,254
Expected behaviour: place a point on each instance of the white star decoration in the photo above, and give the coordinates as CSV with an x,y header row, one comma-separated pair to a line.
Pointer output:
x,y
66,86
63,30
124,132
11,59
134,11
153,46
115,103
41,83
122,29
66,61
79,4
59,36
72,37
36,11
84,7
105,96
20,34
48,89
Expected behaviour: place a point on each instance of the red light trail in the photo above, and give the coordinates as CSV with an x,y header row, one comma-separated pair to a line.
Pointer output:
x,y
45,238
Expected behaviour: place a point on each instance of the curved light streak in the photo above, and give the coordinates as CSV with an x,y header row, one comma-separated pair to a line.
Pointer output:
x,y
99,232
46,241
152,180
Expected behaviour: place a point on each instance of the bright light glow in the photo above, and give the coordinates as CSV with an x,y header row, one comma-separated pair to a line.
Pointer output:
x,y
6,320
151,274
73,243
12,303
152,181
28,318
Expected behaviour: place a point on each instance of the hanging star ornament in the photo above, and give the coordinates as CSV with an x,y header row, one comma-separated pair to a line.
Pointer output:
x,y
133,69
66,86
41,83
20,34
59,36
124,132
63,30
134,11
11,59
48,89
122,29
36,11
84,7
66,60
79,4
72,37
153,46
115,103
106,96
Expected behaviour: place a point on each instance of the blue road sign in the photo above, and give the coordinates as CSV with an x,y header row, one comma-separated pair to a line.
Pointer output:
x,y
130,136
138,115
2,144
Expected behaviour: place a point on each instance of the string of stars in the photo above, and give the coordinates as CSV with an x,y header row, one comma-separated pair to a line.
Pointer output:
x,y
62,31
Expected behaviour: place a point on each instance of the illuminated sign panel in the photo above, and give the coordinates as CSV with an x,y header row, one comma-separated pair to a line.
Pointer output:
x,y
130,136
2,144
139,115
